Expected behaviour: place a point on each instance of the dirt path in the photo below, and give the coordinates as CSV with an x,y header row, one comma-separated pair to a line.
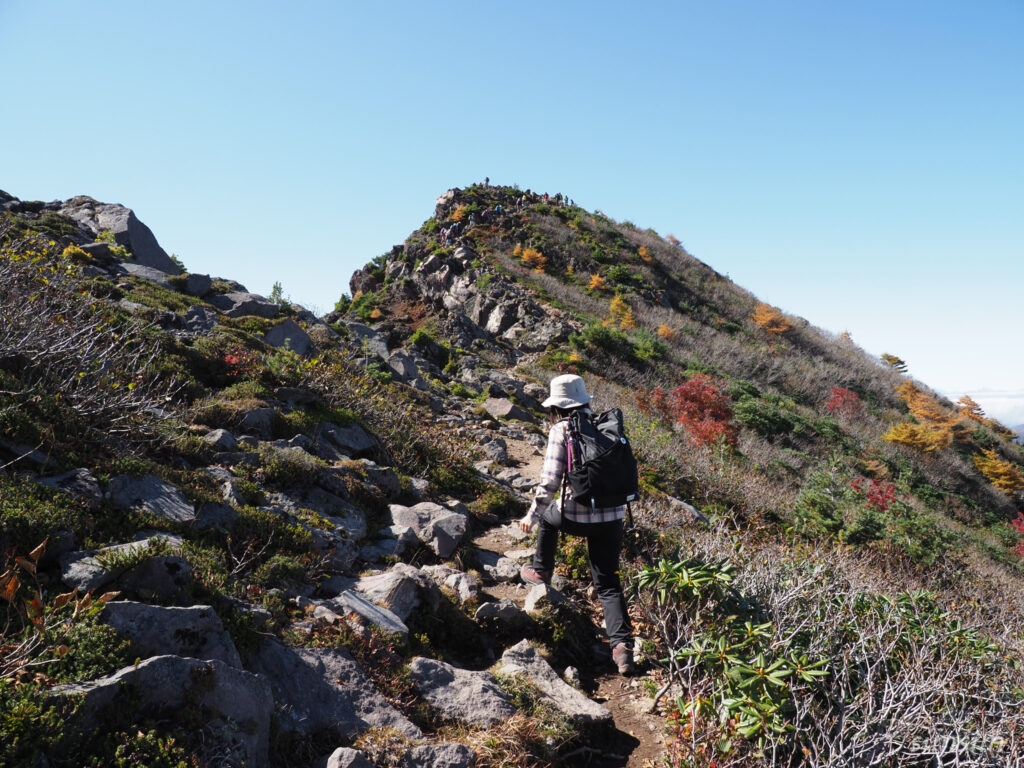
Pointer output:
x,y
635,740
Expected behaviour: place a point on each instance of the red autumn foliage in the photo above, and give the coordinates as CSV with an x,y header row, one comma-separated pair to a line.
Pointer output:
x,y
698,406
879,494
844,402
1018,526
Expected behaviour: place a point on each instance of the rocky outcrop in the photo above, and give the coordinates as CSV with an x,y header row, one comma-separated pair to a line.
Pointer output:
x,y
238,704
154,630
150,494
439,528
96,217
473,698
523,659
318,689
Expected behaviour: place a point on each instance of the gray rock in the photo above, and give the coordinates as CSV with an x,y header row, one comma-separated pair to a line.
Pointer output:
x,y
85,570
384,478
295,395
324,689
350,601
220,439
474,698
496,450
259,422
79,483
237,705
352,440
403,365
198,285
196,631
371,342
146,273
242,304
128,230
150,494
216,516
503,408
466,586
505,611
419,487
521,555
439,756
542,595
523,659
200,319
439,528
400,589
346,757
504,570
291,335
161,577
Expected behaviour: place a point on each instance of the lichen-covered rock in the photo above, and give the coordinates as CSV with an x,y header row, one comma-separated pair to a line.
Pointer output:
x,y
241,304
324,689
438,527
150,494
473,698
237,705
289,334
523,659
195,631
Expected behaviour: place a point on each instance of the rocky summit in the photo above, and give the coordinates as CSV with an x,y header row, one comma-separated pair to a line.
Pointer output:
x,y
239,534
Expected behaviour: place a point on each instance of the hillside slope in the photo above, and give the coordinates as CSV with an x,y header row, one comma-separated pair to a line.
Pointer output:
x,y
239,534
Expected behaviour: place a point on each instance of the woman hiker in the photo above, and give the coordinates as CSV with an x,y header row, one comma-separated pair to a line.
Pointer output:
x,y
602,527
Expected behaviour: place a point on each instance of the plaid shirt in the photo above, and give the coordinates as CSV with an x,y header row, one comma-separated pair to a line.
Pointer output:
x,y
547,491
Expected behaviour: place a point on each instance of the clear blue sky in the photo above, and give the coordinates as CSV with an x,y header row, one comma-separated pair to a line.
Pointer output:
x,y
859,164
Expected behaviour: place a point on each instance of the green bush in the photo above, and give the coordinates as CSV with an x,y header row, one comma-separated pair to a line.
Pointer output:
x,y
611,340
768,416
647,346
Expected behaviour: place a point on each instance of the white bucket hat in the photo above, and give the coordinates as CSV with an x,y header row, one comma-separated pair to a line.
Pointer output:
x,y
567,391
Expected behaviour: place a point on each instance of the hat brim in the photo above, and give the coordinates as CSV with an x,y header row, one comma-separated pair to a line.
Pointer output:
x,y
563,402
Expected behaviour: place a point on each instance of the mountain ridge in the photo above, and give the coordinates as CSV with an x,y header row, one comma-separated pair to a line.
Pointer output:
x,y
278,474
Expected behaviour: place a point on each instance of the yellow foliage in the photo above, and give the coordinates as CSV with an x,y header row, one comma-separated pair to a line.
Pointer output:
x,y
644,254
74,252
620,314
460,213
517,251
969,408
894,362
771,320
925,408
628,322
672,239
924,438
1002,474
845,338
533,258
667,332
376,314
596,283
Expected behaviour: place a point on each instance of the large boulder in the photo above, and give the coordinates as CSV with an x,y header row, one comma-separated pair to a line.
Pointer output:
x,y
237,705
79,483
128,231
150,494
93,569
240,304
438,527
523,659
324,689
473,698
345,757
154,630
351,440
289,334
401,589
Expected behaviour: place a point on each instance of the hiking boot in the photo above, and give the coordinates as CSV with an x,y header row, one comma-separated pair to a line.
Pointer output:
x,y
531,575
623,658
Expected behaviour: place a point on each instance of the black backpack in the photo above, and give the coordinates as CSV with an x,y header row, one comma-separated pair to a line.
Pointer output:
x,y
602,468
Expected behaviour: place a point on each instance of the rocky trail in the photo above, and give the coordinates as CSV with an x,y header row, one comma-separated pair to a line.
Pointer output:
x,y
635,739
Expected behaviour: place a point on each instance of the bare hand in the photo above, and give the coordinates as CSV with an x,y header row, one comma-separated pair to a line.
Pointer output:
x,y
526,524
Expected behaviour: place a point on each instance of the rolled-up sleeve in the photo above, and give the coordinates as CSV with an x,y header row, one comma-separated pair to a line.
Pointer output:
x,y
552,472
